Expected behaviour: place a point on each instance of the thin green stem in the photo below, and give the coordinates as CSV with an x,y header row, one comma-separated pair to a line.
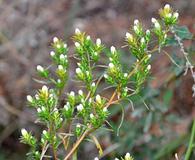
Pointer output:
x,y
191,143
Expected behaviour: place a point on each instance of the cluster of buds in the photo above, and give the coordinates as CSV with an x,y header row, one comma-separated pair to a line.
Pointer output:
x,y
59,56
84,73
27,138
138,42
127,157
85,46
115,74
138,28
160,33
168,16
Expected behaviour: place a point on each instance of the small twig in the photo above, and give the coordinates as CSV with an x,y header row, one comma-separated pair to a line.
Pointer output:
x,y
77,143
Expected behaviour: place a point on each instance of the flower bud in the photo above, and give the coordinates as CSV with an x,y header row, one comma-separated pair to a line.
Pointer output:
x,y
44,89
127,156
112,49
176,15
65,45
55,40
29,98
39,110
80,92
60,67
96,158
72,93
88,38
167,6
91,115
129,36
80,107
78,71
148,67
24,132
52,53
105,76
77,31
40,68
111,65
153,20
125,74
98,98
98,42
62,57
136,22
44,132
77,44
105,109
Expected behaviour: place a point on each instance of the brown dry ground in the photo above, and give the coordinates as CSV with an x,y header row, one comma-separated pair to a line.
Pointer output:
x,y
26,30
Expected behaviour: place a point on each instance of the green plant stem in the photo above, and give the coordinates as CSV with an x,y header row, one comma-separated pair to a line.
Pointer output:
x,y
191,145
77,143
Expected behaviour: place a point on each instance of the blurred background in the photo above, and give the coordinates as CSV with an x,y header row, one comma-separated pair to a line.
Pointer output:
x,y
26,30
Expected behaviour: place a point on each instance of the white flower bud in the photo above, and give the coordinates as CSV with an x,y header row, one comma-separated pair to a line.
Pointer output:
x,y
72,93
167,6
96,158
93,84
127,156
148,32
129,36
29,98
80,92
157,25
60,67
45,89
105,76
95,54
125,74
135,28
39,110
55,40
148,67
88,38
44,132
43,109
65,45
66,107
24,132
52,53
40,68
62,57
153,20
98,98
176,15
105,109
91,116
80,107
136,22
143,40
78,126
116,159
98,42
149,55
77,44
77,31
78,71
111,65
112,49
36,96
